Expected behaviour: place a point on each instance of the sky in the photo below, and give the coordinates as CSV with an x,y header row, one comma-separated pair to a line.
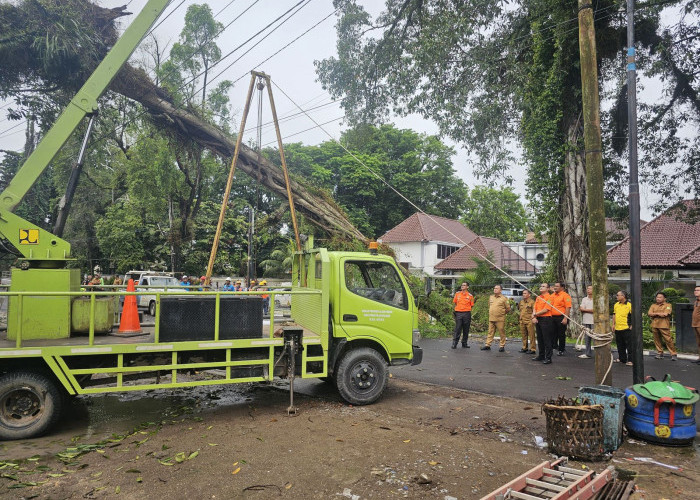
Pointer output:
x,y
310,33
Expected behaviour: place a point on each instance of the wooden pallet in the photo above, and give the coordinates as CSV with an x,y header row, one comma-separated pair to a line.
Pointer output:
x,y
553,481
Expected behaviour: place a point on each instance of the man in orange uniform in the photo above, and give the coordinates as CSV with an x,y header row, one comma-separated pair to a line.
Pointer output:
x,y
560,306
660,314
498,308
463,315
542,317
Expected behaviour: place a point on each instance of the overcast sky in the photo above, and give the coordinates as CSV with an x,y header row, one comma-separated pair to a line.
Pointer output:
x,y
292,69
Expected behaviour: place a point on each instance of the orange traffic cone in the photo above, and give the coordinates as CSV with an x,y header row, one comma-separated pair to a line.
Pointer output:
x,y
129,322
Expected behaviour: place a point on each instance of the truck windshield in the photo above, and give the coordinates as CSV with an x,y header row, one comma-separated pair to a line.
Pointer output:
x,y
377,281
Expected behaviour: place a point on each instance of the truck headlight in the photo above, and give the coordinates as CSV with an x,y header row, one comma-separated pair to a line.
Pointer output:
x,y
416,336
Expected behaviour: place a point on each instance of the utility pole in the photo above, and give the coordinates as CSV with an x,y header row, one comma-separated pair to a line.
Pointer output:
x,y
635,243
594,184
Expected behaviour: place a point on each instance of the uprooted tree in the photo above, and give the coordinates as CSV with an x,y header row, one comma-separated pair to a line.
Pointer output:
x,y
80,33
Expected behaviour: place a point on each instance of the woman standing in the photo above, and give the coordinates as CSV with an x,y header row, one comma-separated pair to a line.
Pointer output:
x,y
622,313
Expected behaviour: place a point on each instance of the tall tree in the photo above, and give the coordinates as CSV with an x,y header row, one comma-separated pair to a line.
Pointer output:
x,y
492,71
497,213
418,166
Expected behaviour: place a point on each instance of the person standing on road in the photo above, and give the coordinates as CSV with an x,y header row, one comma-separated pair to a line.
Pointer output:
x,y
621,319
586,309
463,301
542,318
695,322
527,327
660,314
560,303
499,306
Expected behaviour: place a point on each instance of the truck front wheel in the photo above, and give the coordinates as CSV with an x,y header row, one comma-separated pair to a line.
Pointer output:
x,y
361,376
30,403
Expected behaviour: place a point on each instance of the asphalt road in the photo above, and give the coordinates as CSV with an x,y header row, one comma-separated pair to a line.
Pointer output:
x,y
515,375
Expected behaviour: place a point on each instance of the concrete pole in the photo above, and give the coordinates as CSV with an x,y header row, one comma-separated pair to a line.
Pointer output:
x,y
594,183
637,343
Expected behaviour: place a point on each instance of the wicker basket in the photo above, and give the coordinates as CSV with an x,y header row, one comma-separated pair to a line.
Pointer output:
x,y
575,428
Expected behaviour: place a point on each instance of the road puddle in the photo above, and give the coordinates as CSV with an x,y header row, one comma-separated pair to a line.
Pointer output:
x,y
94,418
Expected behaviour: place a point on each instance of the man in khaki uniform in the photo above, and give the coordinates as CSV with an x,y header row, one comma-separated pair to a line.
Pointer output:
x,y
695,322
498,308
527,328
660,315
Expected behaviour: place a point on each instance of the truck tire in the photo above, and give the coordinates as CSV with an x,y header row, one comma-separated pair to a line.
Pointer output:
x,y
361,376
30,403
152,308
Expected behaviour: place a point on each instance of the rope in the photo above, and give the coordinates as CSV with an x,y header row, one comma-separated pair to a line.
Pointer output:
x,y
603,339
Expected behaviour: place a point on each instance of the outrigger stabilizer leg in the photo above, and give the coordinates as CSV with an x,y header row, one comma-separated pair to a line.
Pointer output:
x,y
292,345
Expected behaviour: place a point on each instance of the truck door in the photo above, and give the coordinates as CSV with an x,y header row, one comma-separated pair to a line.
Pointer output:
x,y
374,303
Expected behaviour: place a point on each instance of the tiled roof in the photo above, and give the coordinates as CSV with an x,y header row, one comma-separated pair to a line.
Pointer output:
x,y
665,241
532,238
503,256
692,257
423,227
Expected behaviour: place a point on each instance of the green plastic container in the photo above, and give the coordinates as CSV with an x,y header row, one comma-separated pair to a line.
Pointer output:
x,y
46,317
613,401
104,315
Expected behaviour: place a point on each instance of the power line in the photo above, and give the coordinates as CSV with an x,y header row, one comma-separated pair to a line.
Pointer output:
x,y
307,129
287,45
292,116
224,8
4,133
256,34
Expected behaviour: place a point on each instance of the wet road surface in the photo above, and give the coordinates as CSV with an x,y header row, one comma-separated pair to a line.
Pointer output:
x,y
515,375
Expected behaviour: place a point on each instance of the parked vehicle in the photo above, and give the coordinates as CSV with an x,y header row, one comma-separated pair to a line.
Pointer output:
x,y
151,281
353,312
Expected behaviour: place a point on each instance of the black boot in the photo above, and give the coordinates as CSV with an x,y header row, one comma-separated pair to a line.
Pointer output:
x,y
454,345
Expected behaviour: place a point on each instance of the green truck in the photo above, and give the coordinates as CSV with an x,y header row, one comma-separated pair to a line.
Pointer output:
x,y
352,312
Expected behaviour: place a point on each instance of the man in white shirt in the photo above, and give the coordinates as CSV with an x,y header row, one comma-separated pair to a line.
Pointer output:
x,y
586,309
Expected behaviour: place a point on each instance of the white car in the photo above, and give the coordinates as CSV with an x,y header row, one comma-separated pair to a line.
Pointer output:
x,y
156,282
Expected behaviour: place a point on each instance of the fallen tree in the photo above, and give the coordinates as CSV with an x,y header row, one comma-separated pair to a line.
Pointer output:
x,y
317,206
81,33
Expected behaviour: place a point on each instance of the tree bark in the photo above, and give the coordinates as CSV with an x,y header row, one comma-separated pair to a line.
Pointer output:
x,y
318,208
574,265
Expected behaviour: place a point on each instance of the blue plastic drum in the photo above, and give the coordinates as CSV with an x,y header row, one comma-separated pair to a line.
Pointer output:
x,y
662,421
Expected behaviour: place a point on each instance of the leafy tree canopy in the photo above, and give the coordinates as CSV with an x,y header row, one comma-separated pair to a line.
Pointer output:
x,y
497,213
417,166
488,71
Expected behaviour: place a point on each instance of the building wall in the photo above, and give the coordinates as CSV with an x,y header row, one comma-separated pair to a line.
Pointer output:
x,y
421,255
410,252
530,251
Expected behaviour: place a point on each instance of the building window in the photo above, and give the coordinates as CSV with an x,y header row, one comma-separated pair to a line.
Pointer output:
x,y
444,251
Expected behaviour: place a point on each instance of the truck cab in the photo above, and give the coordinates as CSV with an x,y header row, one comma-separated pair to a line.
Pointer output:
x,y
372,319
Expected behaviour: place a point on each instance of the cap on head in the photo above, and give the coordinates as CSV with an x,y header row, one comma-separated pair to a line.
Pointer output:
x,y
229,279
263,282
184,276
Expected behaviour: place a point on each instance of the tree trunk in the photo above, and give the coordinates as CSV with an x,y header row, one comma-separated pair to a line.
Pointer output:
x,y
318,208
574,264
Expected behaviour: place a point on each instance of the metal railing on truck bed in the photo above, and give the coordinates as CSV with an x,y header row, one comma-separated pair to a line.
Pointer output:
x,y
163,352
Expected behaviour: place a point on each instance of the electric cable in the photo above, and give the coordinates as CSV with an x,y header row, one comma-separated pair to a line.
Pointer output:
x,y
304,2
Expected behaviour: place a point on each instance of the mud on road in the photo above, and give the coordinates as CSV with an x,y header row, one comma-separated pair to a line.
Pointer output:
x,y
418,441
